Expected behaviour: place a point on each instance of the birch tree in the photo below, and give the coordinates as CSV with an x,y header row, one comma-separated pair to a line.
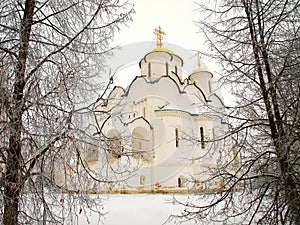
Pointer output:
x,y
257,45
51,55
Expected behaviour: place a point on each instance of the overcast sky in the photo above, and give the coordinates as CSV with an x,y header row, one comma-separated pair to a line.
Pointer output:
x,y
176,18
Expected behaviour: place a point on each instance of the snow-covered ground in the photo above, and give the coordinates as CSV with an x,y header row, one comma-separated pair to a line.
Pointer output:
x,y
139,209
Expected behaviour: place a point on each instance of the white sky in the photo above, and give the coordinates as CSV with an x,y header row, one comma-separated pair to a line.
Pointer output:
x,y
176,18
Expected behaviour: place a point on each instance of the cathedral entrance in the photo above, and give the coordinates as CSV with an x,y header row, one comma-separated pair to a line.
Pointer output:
x,y
141,144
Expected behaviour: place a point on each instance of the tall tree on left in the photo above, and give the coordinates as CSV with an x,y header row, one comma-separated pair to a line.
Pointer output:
x,y
51,55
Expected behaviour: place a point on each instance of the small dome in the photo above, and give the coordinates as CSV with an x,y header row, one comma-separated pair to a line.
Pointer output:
x,y
159,49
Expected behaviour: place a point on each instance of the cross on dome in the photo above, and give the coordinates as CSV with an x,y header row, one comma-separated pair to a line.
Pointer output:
x,y
199,56
199,67
159,33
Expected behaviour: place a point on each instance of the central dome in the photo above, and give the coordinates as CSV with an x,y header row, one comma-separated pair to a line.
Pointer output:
x,y
159,49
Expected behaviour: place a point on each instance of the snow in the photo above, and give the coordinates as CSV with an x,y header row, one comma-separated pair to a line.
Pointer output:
x,y
137,209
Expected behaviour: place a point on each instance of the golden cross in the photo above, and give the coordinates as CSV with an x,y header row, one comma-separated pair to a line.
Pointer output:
x,y
159,36
199,59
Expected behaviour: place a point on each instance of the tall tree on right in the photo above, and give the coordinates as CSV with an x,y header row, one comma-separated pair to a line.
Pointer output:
x,y
257,43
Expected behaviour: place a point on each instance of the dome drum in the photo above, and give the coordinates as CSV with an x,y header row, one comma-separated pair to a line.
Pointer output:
x,y
160,63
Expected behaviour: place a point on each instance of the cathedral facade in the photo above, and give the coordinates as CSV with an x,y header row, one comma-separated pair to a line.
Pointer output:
x,y
164,127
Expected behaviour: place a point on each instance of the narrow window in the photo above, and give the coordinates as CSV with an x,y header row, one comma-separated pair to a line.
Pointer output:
x,y
167,68
144,112
149,69
142,180
202,137
176,137
209,86
181,182
176,69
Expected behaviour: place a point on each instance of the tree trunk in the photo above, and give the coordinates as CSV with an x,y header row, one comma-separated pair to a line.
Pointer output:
x,y
278,134
13,178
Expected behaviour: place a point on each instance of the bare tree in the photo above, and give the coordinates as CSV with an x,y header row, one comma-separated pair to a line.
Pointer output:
x,y
257,44
51,57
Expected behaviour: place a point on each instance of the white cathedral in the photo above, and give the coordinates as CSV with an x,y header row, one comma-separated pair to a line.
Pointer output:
x,y
161,131
164,126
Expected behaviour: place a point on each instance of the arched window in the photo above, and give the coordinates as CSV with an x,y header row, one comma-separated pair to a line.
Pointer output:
x,y
202,137
141,144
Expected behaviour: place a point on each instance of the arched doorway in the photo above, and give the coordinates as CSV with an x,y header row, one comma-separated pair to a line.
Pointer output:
x,y
141,144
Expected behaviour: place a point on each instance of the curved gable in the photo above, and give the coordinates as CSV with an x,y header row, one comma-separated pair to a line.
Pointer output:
x,y
141,80
217,101
175,77
193,89
116,91
164,87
